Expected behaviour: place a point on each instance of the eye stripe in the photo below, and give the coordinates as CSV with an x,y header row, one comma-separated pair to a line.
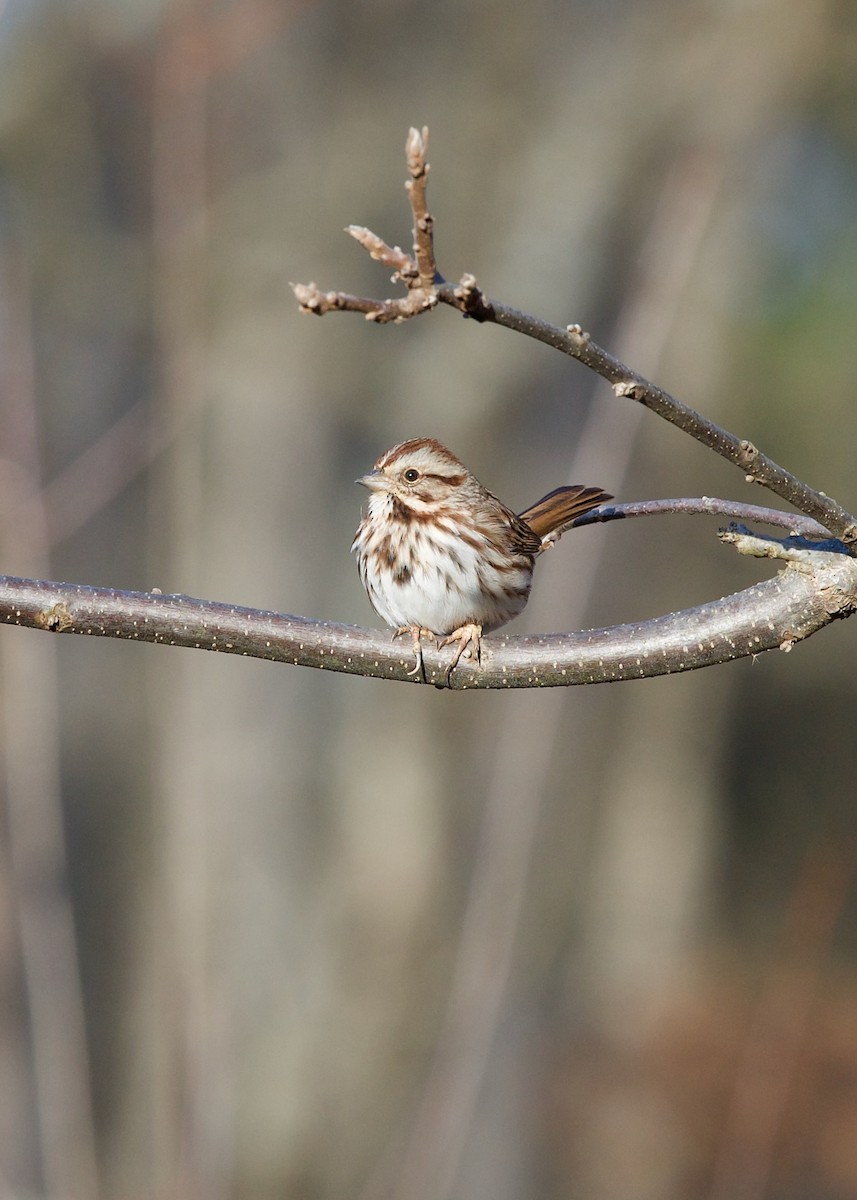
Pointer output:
x,y
452,480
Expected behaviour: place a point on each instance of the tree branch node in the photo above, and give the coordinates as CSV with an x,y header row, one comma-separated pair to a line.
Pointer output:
x,y
628,389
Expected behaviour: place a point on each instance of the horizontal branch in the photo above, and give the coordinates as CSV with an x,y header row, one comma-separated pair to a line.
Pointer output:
x,y
779,612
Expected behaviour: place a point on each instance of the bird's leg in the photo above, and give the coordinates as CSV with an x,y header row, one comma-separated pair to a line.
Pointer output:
x,y
470,637
417,632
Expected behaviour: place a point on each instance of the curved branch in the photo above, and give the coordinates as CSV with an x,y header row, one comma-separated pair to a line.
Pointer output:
x,y
808,594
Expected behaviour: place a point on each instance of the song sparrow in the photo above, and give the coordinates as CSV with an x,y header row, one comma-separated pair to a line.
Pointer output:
x,y
441,557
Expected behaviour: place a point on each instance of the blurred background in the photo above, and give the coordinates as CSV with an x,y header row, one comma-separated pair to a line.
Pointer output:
x,y
267,932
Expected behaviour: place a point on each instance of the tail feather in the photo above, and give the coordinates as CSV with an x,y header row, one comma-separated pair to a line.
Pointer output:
x,y
561,506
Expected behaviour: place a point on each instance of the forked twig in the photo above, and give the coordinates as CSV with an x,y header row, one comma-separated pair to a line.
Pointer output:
x,y
426,287
419,274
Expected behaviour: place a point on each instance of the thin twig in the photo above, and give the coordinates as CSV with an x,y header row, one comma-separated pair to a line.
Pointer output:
x,y
377,248
796,523
416,148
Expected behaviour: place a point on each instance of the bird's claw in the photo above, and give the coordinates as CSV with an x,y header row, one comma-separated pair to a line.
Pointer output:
x,y
417,632
468,637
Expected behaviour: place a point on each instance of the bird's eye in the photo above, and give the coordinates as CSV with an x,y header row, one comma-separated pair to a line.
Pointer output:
x,y
411,475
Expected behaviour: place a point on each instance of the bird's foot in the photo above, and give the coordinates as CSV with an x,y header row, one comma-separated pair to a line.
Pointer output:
x,y
469,638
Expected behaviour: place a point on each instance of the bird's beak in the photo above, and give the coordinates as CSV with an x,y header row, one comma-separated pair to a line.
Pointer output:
x,y
375,481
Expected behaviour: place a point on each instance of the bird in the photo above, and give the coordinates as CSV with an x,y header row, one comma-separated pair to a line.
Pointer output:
x,y
442,557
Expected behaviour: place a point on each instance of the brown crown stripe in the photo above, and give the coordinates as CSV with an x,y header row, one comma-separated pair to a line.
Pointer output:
x,y
406,448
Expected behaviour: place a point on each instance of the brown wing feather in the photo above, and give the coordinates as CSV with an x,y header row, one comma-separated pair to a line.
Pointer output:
x,y
562,505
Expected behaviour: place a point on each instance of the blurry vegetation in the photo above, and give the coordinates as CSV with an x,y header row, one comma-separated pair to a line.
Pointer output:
x,y
335,938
